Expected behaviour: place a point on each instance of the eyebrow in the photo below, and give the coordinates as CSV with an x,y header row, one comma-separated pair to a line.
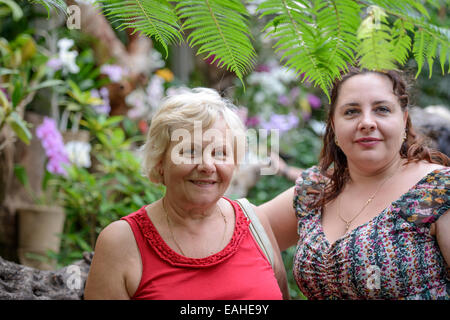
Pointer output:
x,y
355,104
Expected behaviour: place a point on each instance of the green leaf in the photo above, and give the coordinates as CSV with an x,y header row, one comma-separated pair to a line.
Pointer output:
x,y
19,126
153,18
375,51
21,174
5,71
443,52
219,28
49,5
46,84
17,93
431,54
401,42
317,38
421,40
16,11
4,102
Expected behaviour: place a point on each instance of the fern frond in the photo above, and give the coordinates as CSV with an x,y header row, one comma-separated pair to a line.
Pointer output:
x,y
338,21
401,41
317,38
375,50
59,5
443,53
408,7
421,41
219,28
153,18
425,48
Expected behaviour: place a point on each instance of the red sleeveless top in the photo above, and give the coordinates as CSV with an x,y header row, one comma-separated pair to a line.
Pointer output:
x,y
239,272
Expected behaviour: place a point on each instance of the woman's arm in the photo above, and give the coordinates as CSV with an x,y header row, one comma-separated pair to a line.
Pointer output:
x,y
278,267
280,213
106,279
443,235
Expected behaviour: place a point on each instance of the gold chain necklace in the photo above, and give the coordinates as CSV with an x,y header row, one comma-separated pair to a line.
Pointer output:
x,y
348,222
173,237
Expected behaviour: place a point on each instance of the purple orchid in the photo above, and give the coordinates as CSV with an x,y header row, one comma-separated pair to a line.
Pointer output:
x,y
314,101
55,64
104,108
53,144
281,122
114,72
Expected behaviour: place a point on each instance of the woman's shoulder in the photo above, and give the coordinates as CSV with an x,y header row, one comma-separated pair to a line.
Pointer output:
x,y
429,198
115,236
430,174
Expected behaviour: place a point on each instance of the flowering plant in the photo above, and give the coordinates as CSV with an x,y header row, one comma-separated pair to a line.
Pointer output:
x,y
274,99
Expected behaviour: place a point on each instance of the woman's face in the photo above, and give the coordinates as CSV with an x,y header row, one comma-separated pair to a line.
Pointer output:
x,y
368,121
198,168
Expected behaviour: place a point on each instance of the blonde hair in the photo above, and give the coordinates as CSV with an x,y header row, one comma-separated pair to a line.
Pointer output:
x,y
181,111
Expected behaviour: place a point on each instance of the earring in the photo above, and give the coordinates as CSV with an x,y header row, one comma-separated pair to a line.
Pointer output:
x,y
405,136
336,142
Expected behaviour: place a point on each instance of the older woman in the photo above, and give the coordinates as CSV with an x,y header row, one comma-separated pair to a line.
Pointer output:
x,y
193,243
371,221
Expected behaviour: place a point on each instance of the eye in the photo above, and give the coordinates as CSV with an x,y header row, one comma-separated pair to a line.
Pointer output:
x,y
219,153
189,153
382,109
350,111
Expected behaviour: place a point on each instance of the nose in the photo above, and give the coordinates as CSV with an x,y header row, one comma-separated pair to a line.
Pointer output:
x,y
207,165
367,122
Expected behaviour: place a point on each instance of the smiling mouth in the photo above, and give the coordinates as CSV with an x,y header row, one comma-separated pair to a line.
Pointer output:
x,y
203,183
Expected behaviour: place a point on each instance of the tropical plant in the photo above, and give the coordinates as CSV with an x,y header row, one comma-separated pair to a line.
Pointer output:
x,y
318,38
112,188
22,74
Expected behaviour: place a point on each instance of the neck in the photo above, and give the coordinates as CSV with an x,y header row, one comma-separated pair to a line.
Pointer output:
x,y
363,176
186,215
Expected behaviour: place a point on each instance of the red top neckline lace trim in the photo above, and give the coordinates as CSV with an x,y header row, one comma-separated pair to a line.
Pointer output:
x,y
167,254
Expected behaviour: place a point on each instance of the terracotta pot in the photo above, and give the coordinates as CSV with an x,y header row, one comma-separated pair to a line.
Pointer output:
x,y
39,230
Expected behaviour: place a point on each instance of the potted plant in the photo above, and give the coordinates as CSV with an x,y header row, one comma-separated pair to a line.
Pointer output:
x,y
41,222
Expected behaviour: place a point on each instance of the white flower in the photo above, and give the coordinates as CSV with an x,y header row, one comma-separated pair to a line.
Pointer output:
x,y
114,72
78,152
319,127
68,61
67,57
157,61
137,99
259,97
155,91
65,44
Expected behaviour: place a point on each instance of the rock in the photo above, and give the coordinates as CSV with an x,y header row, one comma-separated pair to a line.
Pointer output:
x,y
434,123
18,282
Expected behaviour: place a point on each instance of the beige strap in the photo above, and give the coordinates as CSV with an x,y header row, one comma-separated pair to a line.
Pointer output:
x,y
258,232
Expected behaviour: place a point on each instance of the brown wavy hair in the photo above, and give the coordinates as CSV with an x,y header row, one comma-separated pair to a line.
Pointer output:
x,y
333,162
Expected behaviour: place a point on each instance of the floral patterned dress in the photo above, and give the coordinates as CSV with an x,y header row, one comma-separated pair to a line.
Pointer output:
x,y
393,256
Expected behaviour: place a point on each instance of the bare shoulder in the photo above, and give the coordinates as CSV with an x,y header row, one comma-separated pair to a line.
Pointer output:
x,y
423,168
115,253
116,235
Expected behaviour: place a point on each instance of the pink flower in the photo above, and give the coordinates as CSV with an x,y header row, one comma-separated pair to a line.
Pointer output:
x,y
114,72
262,68
252,121
283,100
55,64
53,144
314,101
